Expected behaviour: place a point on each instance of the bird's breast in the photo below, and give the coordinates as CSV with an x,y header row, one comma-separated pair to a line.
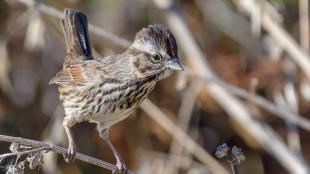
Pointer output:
x,y
114,105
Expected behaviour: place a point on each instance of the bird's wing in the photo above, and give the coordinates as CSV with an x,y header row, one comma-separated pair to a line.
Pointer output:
x,y
78,74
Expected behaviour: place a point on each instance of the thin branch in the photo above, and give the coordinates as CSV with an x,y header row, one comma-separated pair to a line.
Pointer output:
x,y
59,150
184,116
25,152
283,99
304,24
187,142
279,111
291,101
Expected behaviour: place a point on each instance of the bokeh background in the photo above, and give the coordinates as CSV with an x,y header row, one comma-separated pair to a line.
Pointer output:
x,y
240,47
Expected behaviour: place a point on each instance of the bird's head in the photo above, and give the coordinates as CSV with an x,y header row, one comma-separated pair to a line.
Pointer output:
x,y
154,52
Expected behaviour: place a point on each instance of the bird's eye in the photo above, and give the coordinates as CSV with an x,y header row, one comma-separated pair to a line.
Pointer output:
x,y
156,57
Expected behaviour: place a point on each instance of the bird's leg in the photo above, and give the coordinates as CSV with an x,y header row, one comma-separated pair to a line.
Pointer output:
x,y
121,166
68,122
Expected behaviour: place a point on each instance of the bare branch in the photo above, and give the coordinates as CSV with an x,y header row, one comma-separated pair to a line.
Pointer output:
x,y
184,115
279,111
38,145
25,152
187,142
304,24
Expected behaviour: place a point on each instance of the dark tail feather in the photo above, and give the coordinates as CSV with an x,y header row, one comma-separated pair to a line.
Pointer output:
x,y
76,33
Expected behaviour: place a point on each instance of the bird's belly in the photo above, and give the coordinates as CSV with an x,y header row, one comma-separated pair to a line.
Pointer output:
x,y
99,108
110,119
118,111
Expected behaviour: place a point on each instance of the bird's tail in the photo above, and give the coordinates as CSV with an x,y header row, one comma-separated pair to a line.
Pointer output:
x,y
76,34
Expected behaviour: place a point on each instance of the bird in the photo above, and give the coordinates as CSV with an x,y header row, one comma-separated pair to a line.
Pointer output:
x,y
106,90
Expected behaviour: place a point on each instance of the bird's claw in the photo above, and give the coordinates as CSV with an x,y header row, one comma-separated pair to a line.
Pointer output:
x,y
70,155
121,168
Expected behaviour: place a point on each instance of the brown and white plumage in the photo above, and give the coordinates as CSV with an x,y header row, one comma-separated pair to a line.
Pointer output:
x,y
106,90
86,89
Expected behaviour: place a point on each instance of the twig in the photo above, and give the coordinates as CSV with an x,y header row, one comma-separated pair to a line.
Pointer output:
x,y
234,168
279,111
59,150
24,152
288,100
304,24
184,115
256,21
187,142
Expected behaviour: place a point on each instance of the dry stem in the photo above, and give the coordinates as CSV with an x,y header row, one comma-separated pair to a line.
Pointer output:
x,y
38,145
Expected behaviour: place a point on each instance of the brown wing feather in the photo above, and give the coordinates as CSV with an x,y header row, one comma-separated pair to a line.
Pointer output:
x,y
77,74
72,75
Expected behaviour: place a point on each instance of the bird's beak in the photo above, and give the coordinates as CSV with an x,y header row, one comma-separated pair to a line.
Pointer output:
x,y
174,64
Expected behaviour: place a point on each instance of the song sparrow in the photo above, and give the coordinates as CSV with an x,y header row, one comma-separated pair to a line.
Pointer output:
x,y
106,90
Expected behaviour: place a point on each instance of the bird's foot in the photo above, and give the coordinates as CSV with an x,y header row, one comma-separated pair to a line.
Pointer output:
x,y
121,167
70,155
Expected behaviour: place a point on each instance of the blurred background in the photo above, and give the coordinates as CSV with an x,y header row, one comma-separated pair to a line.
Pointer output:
x,y
256,45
